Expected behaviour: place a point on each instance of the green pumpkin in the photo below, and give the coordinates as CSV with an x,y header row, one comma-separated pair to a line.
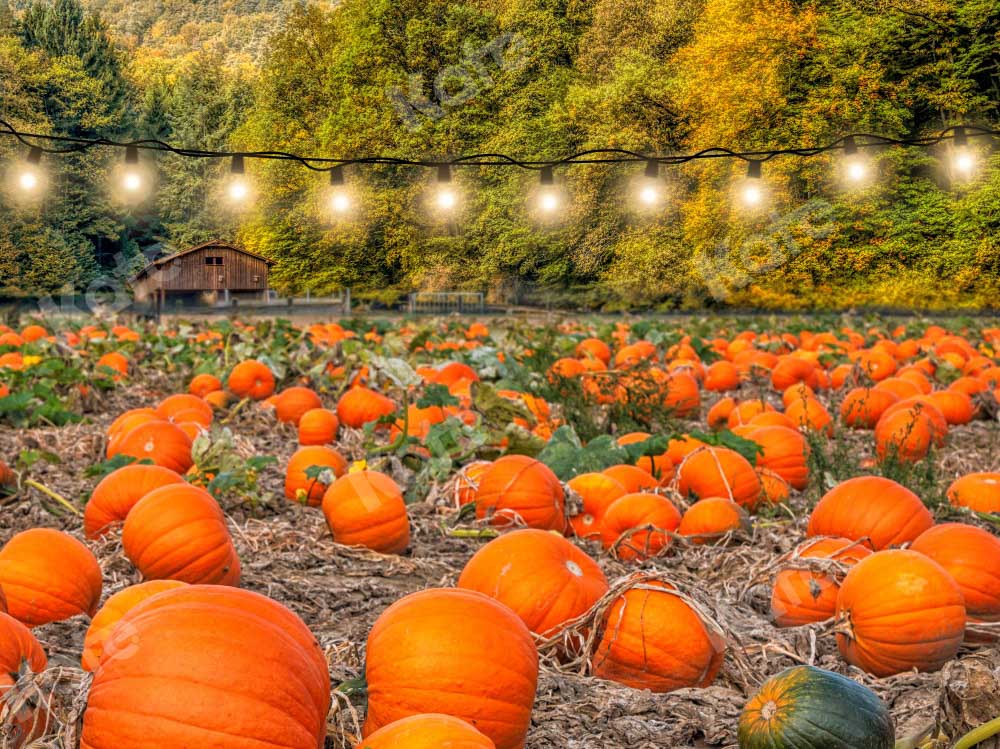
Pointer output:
x,y
809,708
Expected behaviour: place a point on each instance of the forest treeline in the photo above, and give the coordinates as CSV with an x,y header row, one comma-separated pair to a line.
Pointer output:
x,y
537,79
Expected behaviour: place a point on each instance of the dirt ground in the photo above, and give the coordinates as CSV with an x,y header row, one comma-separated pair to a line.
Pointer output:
x,y
289,555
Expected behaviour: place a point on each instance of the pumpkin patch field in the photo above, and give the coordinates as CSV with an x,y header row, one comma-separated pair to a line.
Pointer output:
x,y
494,534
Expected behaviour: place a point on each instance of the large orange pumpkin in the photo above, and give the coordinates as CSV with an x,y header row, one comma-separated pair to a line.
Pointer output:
x,y
722,376
806,596
899,610
251,379
291,403
309,490
115,608
48,576
518,489
428,731
456,652
636,526
20,654
977,491
203,384
971,555
197,666
632,478
652,639
118,492
185,407
785,451
178,532
878,508
540,576
712,518
597,491
366,508
360,405
159,441
862,408
905,435
719,472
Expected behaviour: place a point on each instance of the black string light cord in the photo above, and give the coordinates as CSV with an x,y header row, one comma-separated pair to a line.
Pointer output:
x,y
60,144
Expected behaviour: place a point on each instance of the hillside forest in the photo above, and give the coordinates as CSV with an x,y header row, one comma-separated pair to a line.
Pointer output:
x,y
538,79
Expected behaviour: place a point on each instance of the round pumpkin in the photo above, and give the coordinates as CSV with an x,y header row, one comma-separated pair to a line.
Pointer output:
x,y
184,407
366,508
48,576
712,518
885,512
203,384
428,731
251,379
159,441
318,426
293,402
632,478
114,608
178,532
467,482
518,489
20,654
862,408
719,472
977,491
118,492
807,596
971,555
785,451
905,435
636,526
201,668
456,652
597,491
304,489
805,707
899,610
652,639
360,405
540,576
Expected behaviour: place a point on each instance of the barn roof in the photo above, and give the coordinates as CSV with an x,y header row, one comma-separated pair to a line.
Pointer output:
x,y
204,246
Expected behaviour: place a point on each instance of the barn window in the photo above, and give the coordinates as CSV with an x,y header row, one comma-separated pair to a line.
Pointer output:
x,y
213,260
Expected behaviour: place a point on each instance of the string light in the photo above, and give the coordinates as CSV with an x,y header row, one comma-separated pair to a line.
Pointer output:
x,y
239,188
340,198
30,180
446,198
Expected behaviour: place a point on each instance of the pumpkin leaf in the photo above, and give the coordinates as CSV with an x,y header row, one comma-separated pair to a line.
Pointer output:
x,y
436,394
397,370
724,438
650,447
100,470
567,456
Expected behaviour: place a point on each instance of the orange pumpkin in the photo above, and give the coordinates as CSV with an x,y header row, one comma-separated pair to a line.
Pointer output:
x,y
309,490
721,376
636,526
862,408
467,482
652,639
541,577
20,654
48,576
872,507
112,611
899,610
712,518
203,384
185,407
118,492
719,472
956,407
659,467
594,348
167,691
251,379
366,508
318,426
810,415
360,405
291,403
178,532
906,435
971,555
159,441
428,731
718,414
632,478
597,491
977,491
456,652
806,596
785,451
518,489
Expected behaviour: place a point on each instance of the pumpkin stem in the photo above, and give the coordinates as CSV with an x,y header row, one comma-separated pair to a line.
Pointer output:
x,y
236,409
979,734
471,533
353,687
52,495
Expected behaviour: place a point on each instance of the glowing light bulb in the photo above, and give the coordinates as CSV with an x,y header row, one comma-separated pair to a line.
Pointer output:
x,y
28,181
548,201
649,195
752,195
340,202
239,190
132,182
964,163
856,171
446,199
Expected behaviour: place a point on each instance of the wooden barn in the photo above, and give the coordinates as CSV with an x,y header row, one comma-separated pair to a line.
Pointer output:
x,y
210,273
